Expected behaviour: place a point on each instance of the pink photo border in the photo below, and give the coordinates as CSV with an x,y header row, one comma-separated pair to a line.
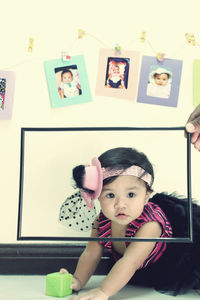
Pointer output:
x,y
6,113
129,93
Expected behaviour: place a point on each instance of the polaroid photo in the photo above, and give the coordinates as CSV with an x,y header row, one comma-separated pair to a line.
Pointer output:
x,y
7,85
117,74
159,81
67,81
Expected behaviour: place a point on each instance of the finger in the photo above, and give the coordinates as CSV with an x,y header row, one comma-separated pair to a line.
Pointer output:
x,y
73,298
76,297
74,286
196,123
195,114
190,127
193,125
194,137
84,297
197,144
62,271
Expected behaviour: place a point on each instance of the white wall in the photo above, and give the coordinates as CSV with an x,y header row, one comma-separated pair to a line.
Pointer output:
x,y
54,25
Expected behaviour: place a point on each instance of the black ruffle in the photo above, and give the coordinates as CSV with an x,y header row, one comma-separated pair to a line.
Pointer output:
x,y
178,270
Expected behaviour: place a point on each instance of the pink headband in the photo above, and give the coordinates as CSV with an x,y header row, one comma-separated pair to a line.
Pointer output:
x,y
133,170
95,174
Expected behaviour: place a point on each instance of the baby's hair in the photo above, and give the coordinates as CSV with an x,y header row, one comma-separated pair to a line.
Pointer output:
x,y
117,158
156,74
78,175
66,71
123,158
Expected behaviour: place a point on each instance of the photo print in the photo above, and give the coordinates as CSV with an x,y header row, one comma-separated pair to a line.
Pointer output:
x,y
2,92
159,81
67,81
7,86
117,74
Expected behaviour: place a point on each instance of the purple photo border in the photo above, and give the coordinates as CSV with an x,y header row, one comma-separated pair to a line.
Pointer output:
x,y
175,65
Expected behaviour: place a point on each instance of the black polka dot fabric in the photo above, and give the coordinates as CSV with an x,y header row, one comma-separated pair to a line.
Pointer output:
x,y
75,214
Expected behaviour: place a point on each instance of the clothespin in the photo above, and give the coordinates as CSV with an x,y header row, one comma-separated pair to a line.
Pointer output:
x,y
160,56
30,44
143,37
190,39
81,33
117,49
65,56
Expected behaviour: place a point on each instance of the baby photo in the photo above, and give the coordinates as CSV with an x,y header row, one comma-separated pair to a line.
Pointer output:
x,y
68,82
2,92
159,83
117,73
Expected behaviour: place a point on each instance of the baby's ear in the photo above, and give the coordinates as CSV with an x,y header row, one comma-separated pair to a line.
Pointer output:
x,y
148,195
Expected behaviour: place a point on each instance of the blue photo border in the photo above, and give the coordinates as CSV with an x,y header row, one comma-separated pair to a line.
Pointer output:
x,y
56,101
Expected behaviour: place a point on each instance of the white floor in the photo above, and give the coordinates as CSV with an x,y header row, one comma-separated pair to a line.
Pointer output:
x,y
33,288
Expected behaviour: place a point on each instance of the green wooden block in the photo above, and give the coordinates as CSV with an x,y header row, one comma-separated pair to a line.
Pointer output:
x,y
58,285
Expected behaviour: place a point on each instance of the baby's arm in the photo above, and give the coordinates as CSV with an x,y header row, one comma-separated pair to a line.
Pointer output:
x,y
134,256
88,262
61,93
78,86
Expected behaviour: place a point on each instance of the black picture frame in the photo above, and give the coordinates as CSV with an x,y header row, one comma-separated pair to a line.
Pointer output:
x,y
24,131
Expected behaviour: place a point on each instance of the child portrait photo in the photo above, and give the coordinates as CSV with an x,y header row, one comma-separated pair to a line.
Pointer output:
x,y
159,81
2,92
7,86
159,84
117,73
68,81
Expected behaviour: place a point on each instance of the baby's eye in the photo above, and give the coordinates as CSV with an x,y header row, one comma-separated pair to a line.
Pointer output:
x,y
131,195
110,195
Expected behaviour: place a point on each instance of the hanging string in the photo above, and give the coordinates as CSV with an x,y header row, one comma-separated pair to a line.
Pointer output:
x,y
82,33
189,40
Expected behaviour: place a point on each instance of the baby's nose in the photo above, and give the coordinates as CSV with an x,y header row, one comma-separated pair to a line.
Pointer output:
x,y
120,202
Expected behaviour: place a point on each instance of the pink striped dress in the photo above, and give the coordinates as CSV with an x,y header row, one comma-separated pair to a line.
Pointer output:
x,y
151,212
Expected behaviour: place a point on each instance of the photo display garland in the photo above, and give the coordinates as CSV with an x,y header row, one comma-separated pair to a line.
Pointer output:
x,y
119,75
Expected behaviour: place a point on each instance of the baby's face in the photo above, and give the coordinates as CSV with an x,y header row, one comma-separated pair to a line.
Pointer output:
x,y
123,200
161,79
116,69
67,77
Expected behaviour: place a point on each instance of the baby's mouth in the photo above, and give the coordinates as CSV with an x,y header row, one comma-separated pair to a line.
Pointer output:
x,y
121,215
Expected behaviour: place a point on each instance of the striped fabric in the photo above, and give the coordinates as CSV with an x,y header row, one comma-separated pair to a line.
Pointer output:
x,y
151,212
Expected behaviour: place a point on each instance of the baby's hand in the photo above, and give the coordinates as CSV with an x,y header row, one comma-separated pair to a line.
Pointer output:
x,y
95,294
76,284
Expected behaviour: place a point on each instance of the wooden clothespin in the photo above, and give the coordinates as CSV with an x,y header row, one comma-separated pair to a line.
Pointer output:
x,y
160,56
190,39
117,49
143,37
81,33
65,56
30,44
